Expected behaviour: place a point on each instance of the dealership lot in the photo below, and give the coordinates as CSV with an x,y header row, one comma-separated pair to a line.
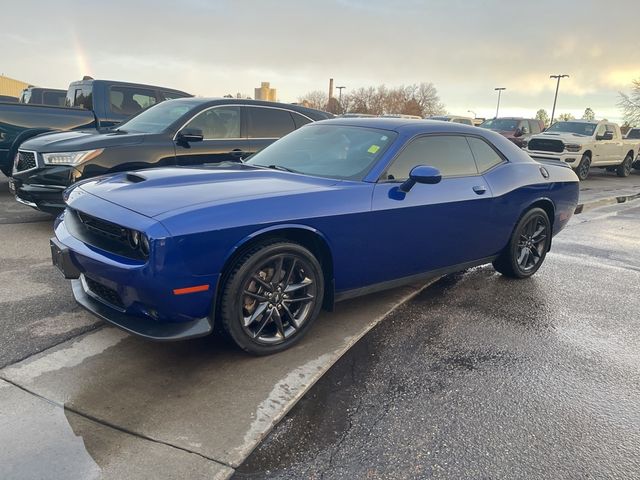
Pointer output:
x,y
198,408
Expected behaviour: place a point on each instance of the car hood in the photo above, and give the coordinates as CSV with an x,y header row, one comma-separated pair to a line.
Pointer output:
x,y
565,137
81,140
161,190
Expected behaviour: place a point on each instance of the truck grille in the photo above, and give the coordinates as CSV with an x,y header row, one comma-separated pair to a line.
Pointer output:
x,y
26,161
546,145
104,293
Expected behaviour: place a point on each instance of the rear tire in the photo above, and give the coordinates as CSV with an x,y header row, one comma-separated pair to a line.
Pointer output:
x,y
528,246
271,297
624,169
583,167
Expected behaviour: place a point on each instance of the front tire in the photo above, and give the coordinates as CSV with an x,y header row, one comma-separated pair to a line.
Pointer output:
x,y
527,247
271,297
624,169
583,167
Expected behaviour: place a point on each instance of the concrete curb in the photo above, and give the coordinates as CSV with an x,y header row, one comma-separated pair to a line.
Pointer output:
x,y
602,202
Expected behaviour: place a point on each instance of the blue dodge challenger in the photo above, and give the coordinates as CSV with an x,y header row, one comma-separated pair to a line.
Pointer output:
x,y
336,209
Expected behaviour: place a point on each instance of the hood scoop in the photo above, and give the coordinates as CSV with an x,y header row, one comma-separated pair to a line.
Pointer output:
x,y
135,177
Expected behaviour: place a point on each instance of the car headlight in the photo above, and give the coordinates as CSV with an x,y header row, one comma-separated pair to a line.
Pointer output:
x,y
573,147
70,158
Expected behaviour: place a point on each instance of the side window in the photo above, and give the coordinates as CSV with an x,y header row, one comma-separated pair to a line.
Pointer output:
x,y
83,98
612,129
485,156
128,101
170,95
300,120
601,129
269,122
524,127
53,98
218,123
448,153
535,126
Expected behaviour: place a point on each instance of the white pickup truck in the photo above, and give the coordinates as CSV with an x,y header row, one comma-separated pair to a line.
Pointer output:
x,y
583,144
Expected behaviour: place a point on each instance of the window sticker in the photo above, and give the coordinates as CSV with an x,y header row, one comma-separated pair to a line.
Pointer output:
x,y
373,149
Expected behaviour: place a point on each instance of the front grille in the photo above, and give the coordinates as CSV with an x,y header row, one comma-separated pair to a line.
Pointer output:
x,y
102,227
101,233
26,161
104,293
546,145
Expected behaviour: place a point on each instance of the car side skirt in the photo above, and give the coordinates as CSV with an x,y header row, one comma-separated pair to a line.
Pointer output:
x,y
419,277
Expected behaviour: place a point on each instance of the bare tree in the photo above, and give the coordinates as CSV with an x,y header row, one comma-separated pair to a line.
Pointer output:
x,y
588,114
543,116
316,99
565,117
630,103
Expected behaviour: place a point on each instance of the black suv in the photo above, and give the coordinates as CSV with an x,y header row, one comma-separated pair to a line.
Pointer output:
x,y
185,131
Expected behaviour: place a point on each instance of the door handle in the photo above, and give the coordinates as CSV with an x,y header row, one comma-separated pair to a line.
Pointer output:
x,y
480,189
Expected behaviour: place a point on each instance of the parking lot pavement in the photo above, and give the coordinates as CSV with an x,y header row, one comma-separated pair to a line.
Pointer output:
x,y
485,377
603,187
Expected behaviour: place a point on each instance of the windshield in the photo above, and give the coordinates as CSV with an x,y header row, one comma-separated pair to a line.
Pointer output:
x,y
580,128
634,133
333,151
156,119
501,124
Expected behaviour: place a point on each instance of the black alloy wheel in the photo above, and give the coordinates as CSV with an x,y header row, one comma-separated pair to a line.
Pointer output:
x,y
583,167
271,297
528,246
624,169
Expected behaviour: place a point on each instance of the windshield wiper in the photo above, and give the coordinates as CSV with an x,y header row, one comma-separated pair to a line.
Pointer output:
x,y
282,169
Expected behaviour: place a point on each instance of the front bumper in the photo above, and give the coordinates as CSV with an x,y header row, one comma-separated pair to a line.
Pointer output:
x,y
140,326
136,296
570,158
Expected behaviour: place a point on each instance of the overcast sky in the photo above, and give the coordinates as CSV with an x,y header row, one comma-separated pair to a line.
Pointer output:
x,y
465,47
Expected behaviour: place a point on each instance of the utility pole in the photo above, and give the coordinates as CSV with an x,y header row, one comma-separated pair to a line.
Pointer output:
x,y
553,110
499,89
340,98
474,113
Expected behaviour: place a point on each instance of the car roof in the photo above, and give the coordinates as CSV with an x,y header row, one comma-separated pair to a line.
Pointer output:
x,y
201,101
407,125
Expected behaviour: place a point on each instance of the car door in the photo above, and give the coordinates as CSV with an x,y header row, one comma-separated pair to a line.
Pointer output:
x,y
614,146
223,139
432,226
267,124
599,146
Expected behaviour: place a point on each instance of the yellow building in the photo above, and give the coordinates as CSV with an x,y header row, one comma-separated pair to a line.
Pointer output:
x,y
11,87
265,92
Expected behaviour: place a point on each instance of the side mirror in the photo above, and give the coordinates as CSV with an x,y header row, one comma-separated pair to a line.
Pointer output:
x,y
421,174
187,135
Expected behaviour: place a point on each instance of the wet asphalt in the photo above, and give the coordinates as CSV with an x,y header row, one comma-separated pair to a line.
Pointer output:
x,y
484,377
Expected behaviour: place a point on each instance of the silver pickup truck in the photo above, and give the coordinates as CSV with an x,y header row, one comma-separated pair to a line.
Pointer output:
x,y
583,144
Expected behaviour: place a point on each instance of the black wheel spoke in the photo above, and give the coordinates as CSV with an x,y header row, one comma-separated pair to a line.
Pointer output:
x,y
266,319
292,318
278,272
256,295
291,271
262,282
294,287
257,313
277,319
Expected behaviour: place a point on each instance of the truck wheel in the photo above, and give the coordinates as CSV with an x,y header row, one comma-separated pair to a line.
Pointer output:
x,y
624,169
583,167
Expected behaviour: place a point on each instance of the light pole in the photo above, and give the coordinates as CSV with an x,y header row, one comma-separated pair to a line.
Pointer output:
x,y
499,89
474,113
553,110
340,97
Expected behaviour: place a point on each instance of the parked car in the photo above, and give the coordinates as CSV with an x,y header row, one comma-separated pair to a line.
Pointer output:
x,y
93,104
583,144
185,131
43,96
336,209
454,119
8,99
516,129
401,115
